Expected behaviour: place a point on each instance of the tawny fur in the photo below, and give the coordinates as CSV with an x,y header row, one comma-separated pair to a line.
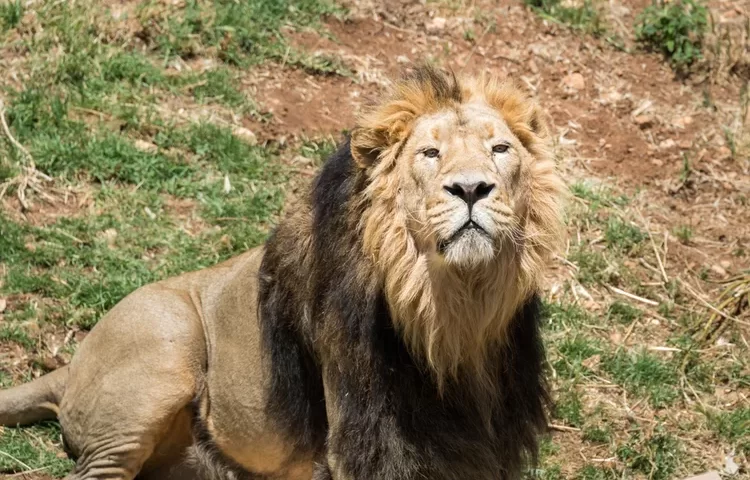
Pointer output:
x,y
426,304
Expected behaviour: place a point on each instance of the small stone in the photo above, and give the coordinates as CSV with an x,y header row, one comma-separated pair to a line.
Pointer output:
x,y
706,476
719,270
725,264
246,135
145,146
574,81
683,121
110,235
644,121
402,59
668,143
3,305
436,25
723,153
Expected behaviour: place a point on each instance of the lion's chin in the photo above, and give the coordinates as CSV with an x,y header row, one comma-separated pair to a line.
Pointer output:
x,y
468,249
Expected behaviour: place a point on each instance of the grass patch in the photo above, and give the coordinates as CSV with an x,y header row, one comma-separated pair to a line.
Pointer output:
x,y
573,353
240,32
584,17
599,435
623,313
593,267
622,236
675,29
598,197
733,427
644,374
218,86
33,448
592,472
569,409
11,13
657,456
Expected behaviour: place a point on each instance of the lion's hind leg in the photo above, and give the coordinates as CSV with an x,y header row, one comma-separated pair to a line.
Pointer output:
x,y
127,407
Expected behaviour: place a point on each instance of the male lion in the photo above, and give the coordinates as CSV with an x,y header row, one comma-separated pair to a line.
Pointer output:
x,y
388,329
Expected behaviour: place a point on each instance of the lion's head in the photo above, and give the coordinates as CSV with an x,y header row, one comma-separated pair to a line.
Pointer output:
x,y
462,210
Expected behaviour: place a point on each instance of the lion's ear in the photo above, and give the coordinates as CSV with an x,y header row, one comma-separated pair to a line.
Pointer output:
x,y
538,121
366,146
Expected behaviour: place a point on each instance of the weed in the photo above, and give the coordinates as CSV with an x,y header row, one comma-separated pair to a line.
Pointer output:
x,y
217,86
569,409
683,233
318,150
734,427
675,29
584,17
574,351
598,197
622,236
11,13
561,316
657,457
623,313
591,472
593,267
602,435
643,373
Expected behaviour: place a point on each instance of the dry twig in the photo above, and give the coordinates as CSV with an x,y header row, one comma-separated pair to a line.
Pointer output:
x,y
30,178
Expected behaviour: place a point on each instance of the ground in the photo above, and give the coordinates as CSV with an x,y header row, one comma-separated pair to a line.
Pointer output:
x,y
164,136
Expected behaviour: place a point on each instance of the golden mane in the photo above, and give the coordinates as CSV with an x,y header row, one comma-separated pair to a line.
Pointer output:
x,y
450,317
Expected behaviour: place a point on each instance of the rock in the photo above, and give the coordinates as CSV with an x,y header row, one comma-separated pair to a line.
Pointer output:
x,y
683,121
719,270
246,135
145,146
723,153
3,305
706,476
402,59
644,121
574,81
436,25
110,235
725,264
668,143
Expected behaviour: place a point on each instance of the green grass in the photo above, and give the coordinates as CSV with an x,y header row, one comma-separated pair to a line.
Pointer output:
x,y
656,456
733,427
569,409
675,29
623,313
11,13
33,447
622,236
644,374
242,33
586,17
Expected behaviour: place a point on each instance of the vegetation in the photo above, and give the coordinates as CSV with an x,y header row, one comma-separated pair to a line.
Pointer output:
x,y
675,29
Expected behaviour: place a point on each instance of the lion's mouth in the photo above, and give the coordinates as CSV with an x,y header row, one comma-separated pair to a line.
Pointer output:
x,y
469,226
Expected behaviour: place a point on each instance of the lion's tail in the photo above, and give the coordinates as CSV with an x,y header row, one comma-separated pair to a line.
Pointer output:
x,y
34,401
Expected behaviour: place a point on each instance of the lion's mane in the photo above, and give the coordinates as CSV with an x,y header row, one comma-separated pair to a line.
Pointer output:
x,y
366,366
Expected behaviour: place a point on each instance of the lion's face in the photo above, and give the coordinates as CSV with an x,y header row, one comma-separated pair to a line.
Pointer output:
x,y
460,212
468,171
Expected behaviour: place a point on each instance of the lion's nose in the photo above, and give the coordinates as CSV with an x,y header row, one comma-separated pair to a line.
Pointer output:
x,y
470,193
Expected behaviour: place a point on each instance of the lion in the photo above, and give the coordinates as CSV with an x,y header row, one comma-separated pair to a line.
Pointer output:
x,y
387,329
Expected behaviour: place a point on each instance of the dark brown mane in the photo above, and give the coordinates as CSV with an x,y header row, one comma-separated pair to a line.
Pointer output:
x,y
321,304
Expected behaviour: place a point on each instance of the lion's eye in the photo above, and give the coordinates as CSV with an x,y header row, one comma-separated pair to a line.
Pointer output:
x,y
500,148
431,153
